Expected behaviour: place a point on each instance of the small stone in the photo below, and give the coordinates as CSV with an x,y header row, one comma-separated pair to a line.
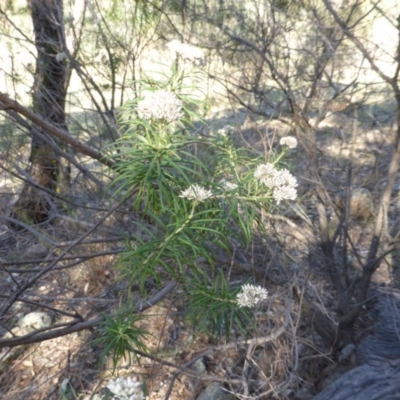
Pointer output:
x,y
215,391
361,203
199,366
35,252
34,320
347,352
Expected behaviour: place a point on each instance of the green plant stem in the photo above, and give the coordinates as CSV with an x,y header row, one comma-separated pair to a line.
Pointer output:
x,y
283,153
166,240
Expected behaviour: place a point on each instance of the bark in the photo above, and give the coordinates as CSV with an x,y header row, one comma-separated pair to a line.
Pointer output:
x,y
367,382
48,102
377,376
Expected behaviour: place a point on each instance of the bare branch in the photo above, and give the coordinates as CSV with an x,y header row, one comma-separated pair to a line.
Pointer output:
x,y
60,134
346,30
76,326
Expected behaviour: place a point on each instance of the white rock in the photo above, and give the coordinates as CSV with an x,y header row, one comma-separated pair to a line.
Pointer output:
x,y
35,320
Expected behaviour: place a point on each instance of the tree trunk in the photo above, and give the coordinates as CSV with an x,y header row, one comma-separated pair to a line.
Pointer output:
x,y
49,96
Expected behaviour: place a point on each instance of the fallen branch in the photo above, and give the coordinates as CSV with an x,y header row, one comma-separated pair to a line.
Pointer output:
x,y
51,333
7,103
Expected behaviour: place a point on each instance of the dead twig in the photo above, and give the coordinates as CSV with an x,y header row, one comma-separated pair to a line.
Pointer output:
x,y
55,331
254,342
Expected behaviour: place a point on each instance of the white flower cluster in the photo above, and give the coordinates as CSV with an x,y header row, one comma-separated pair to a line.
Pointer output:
x,y
288,141
187,52
282,182
196,192
160,105
225,131
251,295
126,389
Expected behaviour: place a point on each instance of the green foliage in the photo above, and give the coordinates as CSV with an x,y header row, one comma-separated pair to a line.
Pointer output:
x,y
196,193
212,306
120,337
173,247
10,138
140,12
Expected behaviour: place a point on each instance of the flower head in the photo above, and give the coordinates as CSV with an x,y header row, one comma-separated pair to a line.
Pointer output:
x,y
266,174
225,131
187,52
284,193
160,105
196,192
126,389
251,295
285,178
282,182
288,141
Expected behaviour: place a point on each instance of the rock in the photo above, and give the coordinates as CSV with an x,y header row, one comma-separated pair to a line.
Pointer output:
x,y
367,382
361,203
34,320
346,353
29,323
199,366
35,252
215,392
383,344
378,378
